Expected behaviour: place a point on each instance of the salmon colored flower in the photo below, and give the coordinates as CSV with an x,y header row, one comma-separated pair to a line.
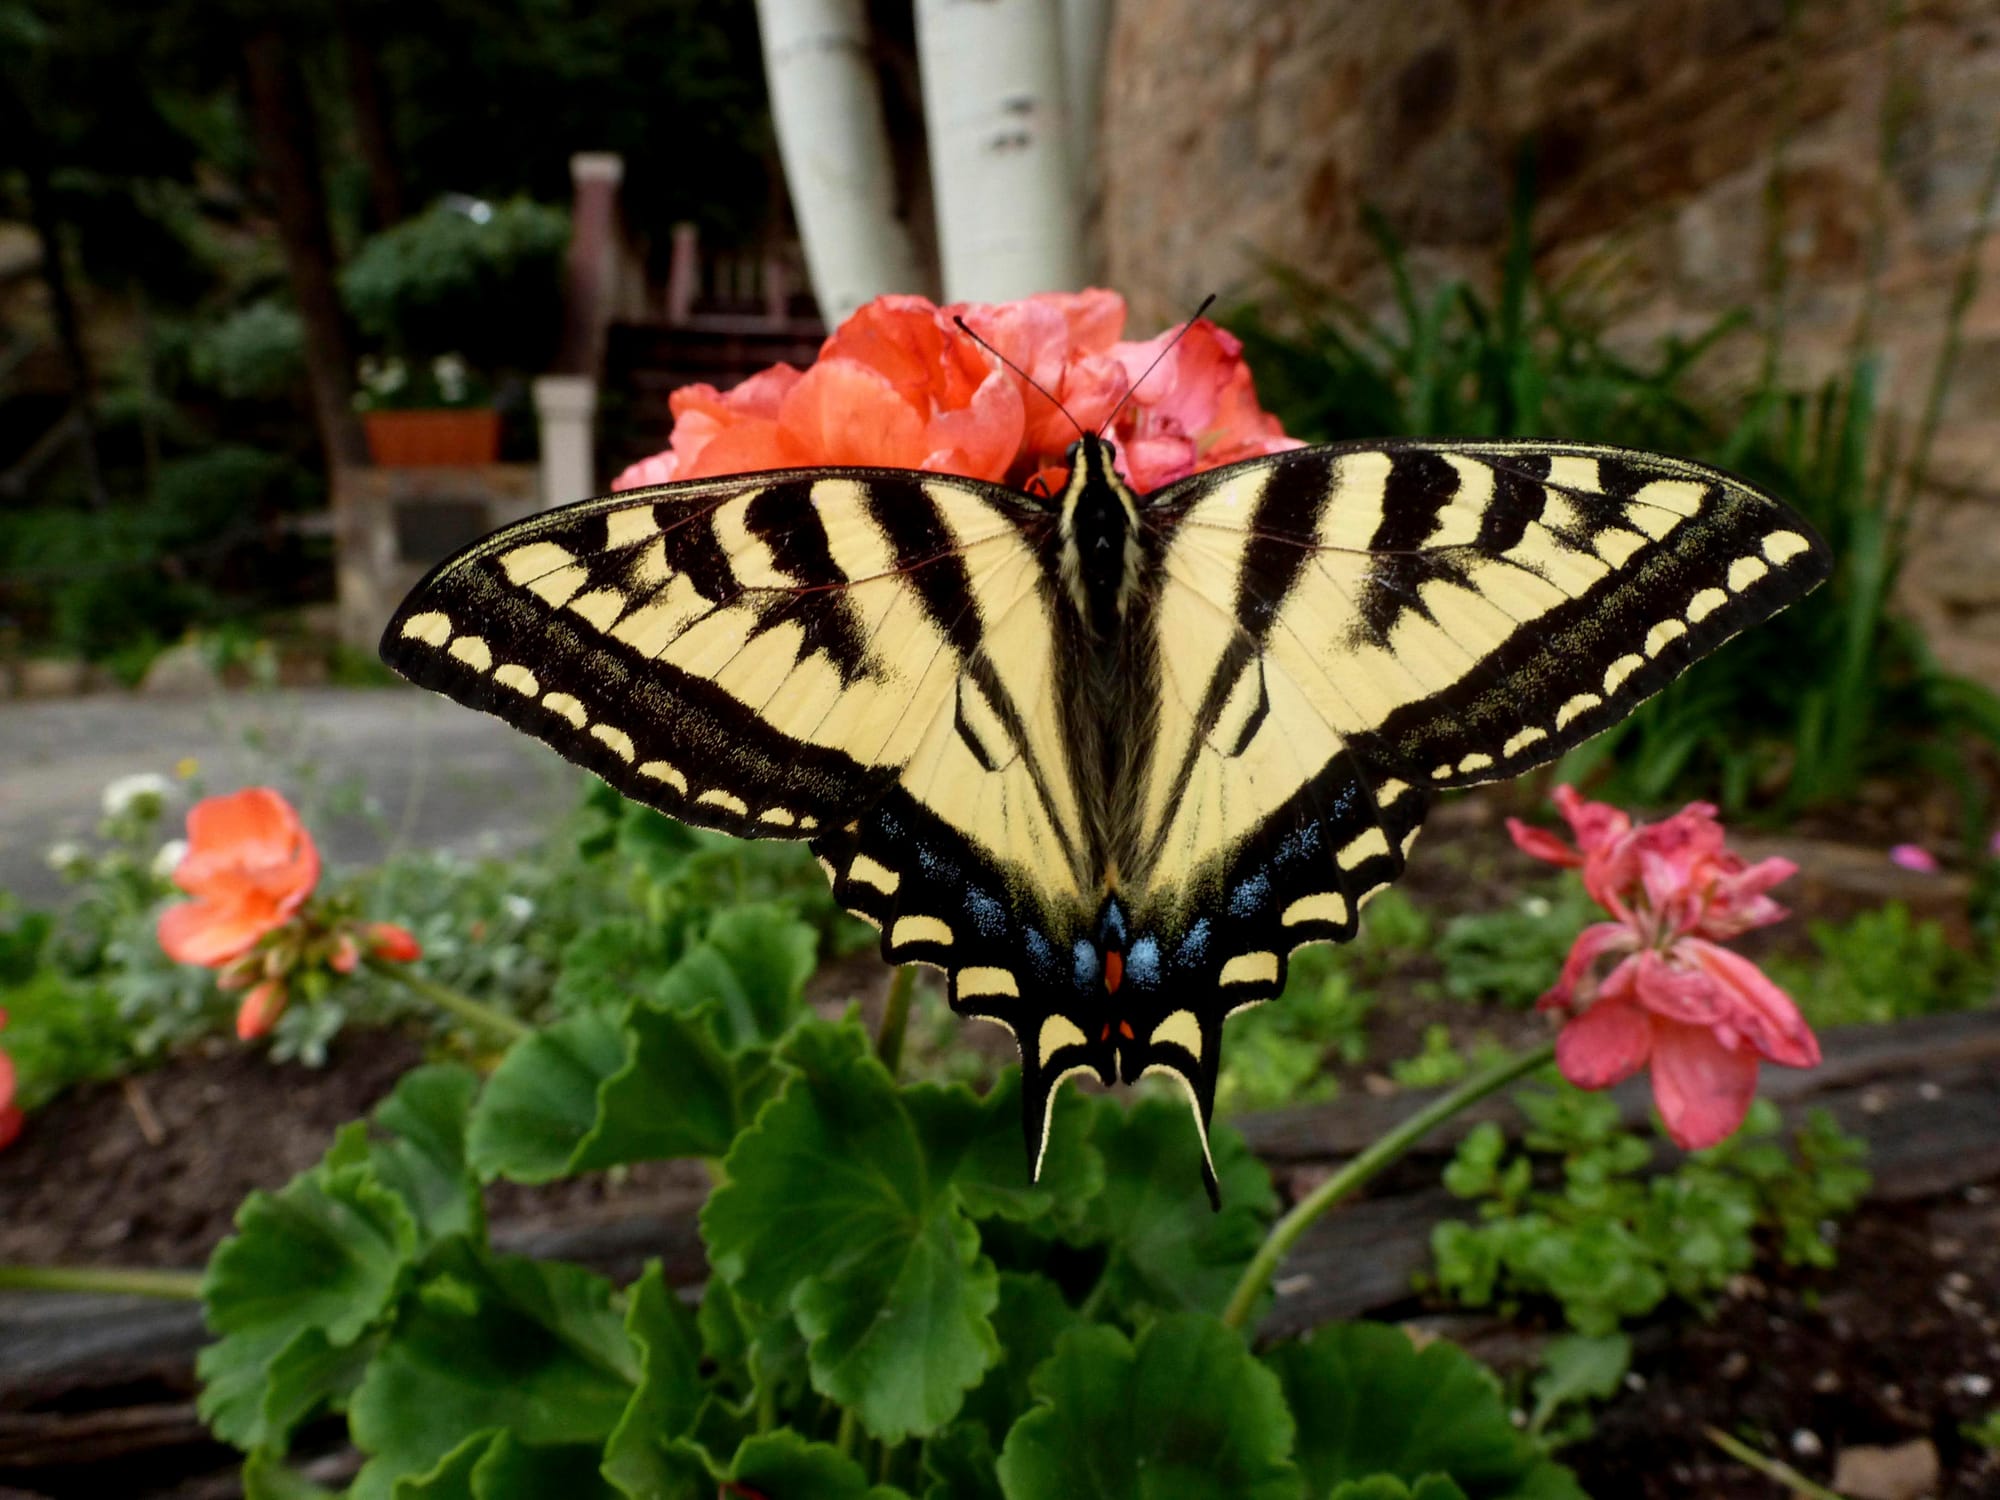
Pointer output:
x,y
1701,1017
900,385
250,866
260,1010
10,1114
393,944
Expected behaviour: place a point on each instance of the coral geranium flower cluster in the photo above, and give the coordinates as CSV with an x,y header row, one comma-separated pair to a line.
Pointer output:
x,y
1701,1016
899,385
251,867
10,1112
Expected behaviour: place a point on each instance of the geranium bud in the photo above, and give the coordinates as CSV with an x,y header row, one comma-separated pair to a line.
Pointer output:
x,y
396,945
345,954
260,1010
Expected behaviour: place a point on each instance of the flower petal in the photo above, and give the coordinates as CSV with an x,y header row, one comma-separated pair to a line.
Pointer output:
x,y
1703,1088
1542,844
11,1121
1606,1044
210,934
1761,1013
1591,944
845,412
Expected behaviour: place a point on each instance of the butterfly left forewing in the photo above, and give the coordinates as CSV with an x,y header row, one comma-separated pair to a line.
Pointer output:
x,y
1344,631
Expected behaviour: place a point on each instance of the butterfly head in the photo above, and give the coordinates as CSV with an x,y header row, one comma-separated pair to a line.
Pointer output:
x,y
1099,526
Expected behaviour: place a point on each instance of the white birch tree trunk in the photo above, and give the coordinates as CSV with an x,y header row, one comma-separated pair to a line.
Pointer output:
x,y
996,111
828,114
1086,34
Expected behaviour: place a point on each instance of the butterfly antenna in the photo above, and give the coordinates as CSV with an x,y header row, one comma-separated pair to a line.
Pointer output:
x,y
1133,389
967,331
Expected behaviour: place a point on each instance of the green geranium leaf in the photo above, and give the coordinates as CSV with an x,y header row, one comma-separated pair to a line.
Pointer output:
x,y
492,1466
1389,1487
540,1105
1576,1369
532,1347
960,1464
265,1477
608,963
1031,1318
832,1210
640,1458
752,966
1167,1250
1185,1413
323,1256
425,1163
783,1464
978,1143
586,1092
1368,1402
675,1057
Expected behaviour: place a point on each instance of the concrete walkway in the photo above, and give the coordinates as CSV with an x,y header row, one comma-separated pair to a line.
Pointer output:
x,y
374,770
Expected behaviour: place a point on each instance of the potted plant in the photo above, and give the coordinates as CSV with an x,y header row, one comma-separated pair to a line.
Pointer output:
x,y
417,415
467,286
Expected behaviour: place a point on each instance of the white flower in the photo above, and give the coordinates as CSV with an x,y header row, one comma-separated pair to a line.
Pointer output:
x,y
168,860
145,793
1536,906
520,908
452,376
66,856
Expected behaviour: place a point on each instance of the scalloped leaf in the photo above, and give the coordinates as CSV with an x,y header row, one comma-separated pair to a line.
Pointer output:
x,y
831,1209
1368,1402
1167,1250
308,1271
1185,1412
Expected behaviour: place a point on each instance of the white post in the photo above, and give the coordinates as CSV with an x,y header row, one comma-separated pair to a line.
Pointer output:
x,y
828,114
994,85
564,408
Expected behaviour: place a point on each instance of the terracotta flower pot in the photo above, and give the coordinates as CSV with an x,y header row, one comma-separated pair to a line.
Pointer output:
x,y
426,439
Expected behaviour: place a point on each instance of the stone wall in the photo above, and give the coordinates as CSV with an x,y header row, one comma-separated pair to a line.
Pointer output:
x,y
1665,130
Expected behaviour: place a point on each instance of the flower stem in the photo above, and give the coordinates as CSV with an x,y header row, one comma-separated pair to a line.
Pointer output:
x,y
1384,1152
1770,1468
117,1280
896,1019
463,1006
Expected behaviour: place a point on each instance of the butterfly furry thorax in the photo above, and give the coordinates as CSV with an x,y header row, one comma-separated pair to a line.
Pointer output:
x,y
1105,759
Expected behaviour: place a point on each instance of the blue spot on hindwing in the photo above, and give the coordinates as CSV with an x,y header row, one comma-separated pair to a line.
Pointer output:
x,y
1194,946
1083,955
1142,964
988,915
1248,898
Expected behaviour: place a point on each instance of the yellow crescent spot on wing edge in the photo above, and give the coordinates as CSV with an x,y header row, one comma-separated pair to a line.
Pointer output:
x,y
616,740
1323,906
1364,845
1057,1033
1533,734
1479,760
1389,791
1260,967
1746,571
781,817
567,707
430,627
1180,1029
1782,546
983,980
1619,670
715,796
920,929
1704,604
519,678
659,770
1049,1111
1194,1104
1662,635
1582,703
473,651
872,872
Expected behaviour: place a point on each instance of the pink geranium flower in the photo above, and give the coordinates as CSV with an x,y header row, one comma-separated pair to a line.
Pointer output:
x,y
1700,1016
10,1113
900,385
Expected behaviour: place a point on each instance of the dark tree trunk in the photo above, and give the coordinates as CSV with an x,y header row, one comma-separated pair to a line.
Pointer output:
x,y
287,147
32,152
372,134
